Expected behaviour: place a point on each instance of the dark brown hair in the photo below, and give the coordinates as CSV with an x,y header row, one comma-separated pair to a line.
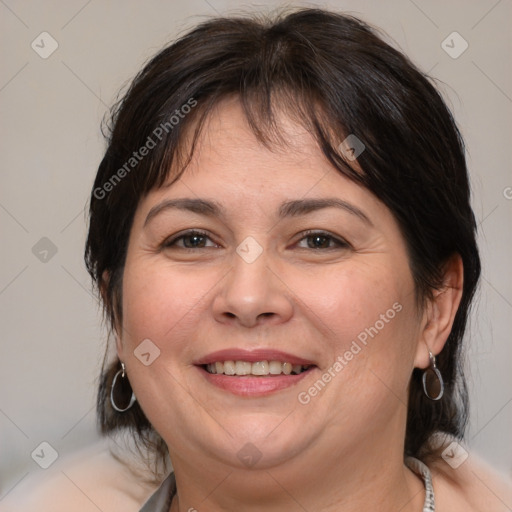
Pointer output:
x,y
336,76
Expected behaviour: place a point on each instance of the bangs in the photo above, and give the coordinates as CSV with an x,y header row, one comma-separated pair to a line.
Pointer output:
x,y
264,114
333,75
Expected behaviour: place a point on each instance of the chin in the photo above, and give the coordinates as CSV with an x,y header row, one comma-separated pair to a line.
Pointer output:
x,y
259,443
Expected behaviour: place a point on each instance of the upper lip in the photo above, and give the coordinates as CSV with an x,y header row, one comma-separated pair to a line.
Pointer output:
x,y
252,356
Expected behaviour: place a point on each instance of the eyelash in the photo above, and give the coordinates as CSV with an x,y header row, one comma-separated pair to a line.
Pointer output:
x,y
339,242
170,242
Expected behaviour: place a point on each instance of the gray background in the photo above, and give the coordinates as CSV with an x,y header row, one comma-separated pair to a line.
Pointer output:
x,y
50,109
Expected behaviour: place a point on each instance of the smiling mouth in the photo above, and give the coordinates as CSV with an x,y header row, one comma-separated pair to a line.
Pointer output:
x,y
255,369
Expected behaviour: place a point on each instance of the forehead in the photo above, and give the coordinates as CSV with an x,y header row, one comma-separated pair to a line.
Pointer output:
x,y
226,137
231,165
228,151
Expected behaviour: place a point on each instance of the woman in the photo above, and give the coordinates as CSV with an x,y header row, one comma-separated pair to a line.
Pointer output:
x,y
282,237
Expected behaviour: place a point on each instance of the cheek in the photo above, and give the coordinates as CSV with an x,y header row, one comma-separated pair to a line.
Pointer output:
x,y
367,315
353,302
160,302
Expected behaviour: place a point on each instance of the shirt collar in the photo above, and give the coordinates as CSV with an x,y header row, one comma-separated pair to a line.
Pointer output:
x,y
160,500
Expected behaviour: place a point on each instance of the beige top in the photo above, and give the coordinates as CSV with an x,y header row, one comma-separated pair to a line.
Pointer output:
x,y
161,500
104,476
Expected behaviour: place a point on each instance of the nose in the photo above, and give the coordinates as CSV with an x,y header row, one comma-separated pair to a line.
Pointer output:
x,y
252,294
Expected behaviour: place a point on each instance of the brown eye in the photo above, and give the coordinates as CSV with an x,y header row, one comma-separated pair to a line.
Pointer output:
x,y
320,240
194,241
190,240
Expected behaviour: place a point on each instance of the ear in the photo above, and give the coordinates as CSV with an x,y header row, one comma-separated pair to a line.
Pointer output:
x,y
439,314
105,279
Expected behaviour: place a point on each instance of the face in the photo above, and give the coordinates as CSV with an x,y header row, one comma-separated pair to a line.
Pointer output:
x,y
252,259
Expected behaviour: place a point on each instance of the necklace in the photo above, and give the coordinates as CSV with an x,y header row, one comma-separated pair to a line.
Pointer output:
x,y
422,470
161,500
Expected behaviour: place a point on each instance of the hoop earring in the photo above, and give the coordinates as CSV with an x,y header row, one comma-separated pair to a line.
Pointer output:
x,y
433,384
114,382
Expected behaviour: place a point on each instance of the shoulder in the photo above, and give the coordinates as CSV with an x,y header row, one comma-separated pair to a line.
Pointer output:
x,y
472,486
91,479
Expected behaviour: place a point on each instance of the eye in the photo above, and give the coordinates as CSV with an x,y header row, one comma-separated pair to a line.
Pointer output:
x,y
321,240
189,240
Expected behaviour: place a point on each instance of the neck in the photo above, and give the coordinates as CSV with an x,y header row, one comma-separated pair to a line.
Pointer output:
x,y
360,478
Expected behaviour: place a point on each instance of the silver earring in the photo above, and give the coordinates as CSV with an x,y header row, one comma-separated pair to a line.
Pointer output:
x,y
121,383
433,384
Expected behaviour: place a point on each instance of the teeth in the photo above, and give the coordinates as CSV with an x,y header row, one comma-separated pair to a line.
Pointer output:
x,y
287,368
243,368
260,368
229,368
275,367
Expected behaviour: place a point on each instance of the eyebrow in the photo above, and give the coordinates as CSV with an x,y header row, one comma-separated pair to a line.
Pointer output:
x,y
288,209
305,206
200,206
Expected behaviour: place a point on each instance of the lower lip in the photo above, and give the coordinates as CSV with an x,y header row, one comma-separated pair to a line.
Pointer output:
x,y
245,385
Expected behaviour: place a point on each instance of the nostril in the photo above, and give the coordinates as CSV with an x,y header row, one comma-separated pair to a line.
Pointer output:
x,y
248,319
